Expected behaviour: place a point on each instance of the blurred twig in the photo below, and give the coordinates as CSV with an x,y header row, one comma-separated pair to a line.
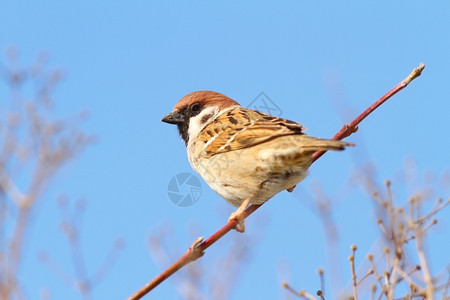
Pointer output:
x,y
81,281
203,279
34,146
402,274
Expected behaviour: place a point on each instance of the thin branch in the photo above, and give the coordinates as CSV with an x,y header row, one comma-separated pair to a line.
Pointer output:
x,y
352,127
197,249
12,191
290,289
374,268
322,283
302,294
430,288
108,262
351,258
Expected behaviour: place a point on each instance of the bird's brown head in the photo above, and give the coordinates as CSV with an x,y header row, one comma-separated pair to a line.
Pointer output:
x,y
195,110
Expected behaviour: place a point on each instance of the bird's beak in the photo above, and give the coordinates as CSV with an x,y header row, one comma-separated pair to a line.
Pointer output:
x,y
173,118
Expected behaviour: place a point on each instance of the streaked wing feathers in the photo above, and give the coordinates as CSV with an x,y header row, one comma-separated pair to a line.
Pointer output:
x,y
241,128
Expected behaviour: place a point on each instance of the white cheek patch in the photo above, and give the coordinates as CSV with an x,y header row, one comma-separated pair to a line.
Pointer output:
x,y
197,123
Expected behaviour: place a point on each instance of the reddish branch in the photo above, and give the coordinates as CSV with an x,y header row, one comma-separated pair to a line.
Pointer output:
x,y
352,127
199,246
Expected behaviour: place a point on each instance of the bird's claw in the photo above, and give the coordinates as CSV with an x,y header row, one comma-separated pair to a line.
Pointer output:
x,y
240,221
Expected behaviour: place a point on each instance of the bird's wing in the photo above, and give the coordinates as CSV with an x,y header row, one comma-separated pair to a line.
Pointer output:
x,y
242,128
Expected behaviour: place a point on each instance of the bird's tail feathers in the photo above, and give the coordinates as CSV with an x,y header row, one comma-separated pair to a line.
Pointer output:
x,y
314,144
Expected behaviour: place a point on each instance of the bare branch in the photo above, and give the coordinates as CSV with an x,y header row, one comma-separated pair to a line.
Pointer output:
x,y
197,251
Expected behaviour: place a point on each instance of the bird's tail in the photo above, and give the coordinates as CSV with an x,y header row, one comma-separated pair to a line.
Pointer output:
x,y
313,144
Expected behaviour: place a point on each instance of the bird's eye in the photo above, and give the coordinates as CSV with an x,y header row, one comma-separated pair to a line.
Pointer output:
x,y
195,107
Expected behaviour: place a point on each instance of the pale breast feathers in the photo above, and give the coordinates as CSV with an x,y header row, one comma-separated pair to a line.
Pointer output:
x,y
241,128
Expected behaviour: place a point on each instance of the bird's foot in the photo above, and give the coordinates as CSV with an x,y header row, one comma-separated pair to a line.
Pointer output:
x,y
239,216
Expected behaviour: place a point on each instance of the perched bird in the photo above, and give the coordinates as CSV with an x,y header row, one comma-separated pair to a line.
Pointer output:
x,y
245,155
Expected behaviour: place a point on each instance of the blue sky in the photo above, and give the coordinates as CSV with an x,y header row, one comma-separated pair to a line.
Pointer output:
x,y
128,63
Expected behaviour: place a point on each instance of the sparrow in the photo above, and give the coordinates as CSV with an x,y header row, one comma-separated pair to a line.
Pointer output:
x,y
244,155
